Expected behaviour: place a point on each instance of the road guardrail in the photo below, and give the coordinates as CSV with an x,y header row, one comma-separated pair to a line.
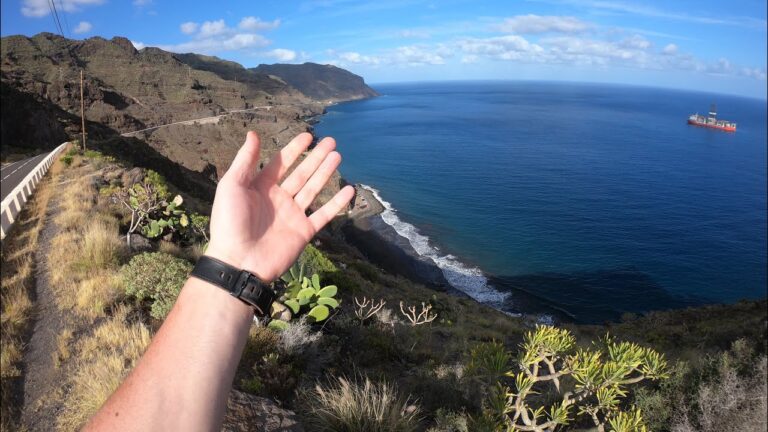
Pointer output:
x,y
14,202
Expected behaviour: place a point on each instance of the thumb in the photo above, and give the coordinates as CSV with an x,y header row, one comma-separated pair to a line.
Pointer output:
x,y
244,166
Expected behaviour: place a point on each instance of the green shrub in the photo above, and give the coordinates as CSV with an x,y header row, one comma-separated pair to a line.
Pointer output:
x,y
366,270
92,154
158,181
66,159
359,404
488,362
449,421
315,262
158,277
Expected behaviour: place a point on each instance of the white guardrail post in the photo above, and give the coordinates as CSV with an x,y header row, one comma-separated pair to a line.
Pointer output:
x,y
13,203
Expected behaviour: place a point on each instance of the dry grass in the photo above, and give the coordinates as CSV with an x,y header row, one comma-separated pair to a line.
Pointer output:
x,y
63,344
172,249
16,283
85,254
195,251
346,405
77,200
103,361
102,247
98,293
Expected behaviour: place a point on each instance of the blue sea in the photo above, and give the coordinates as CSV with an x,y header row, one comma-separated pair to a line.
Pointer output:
x,y
576,201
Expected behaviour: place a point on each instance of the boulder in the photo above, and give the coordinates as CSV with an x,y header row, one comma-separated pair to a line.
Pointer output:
x,y
246,412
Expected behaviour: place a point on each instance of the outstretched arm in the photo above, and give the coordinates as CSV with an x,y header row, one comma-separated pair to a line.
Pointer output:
x,y
257,224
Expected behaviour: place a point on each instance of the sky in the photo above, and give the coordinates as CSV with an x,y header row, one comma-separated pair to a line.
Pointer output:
x,y
715,46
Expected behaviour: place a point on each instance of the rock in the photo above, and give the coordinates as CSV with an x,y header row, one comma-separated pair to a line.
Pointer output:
x,y
132,177
139,243
247,412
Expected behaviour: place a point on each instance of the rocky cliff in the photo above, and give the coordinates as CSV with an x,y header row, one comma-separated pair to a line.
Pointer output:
x,y
321,82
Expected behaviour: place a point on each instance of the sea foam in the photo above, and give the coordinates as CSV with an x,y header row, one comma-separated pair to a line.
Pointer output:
x,y
465,278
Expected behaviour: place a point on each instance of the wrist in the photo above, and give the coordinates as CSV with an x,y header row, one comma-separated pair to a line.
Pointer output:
x,y
236,260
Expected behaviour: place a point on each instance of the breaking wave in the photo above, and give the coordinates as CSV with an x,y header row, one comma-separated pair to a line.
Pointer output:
x,y
467,279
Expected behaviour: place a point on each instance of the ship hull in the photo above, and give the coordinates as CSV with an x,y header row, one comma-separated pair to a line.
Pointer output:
x,y
711,126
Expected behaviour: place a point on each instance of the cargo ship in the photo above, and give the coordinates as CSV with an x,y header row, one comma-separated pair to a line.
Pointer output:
x,y
711,121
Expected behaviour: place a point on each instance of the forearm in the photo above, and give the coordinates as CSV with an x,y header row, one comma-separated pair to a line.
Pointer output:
x,y
182,381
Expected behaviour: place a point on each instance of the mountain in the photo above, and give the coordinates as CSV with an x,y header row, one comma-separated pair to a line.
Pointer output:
x,y
320,82
183,114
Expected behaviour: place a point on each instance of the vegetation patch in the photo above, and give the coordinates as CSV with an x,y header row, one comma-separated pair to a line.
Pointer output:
x,y
156,277
103,361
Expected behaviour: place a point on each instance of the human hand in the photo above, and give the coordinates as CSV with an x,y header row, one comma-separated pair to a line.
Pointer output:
x,y
260,226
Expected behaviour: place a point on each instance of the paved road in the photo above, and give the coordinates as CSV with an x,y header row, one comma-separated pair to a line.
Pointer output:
x,y
12,174
202,120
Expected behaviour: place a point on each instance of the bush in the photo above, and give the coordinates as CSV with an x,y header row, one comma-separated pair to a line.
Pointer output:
x,y
158,277
730,397
449,421
315,262
359,405
66,160
296,338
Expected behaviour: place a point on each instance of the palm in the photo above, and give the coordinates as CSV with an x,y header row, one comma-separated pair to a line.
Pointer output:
x,y
261,226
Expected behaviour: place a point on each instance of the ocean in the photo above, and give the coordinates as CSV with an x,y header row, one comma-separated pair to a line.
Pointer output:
x,y
579,202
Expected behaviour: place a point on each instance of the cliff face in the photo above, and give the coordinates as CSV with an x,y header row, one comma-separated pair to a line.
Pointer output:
x,y
320,82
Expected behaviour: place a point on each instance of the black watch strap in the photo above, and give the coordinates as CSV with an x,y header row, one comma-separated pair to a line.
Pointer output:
x,y
239,283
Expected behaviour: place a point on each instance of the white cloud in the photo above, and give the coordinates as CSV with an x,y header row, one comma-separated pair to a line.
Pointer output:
x,y
138,45
535,24
414,34
511,47
283,55
756,73
625,7
410,55
235,42
83,27
584,51
636,41
41,8
418,55
189,27
142,3
257,24
213,28
670,49
355,57
216,36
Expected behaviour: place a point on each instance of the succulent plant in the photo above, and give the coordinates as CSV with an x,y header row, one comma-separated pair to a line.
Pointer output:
x,y
303,295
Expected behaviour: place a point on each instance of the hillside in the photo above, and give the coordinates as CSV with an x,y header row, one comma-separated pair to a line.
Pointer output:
x,y
128,90
321,82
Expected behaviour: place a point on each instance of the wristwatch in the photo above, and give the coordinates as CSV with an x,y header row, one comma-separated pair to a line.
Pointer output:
x,y
239,283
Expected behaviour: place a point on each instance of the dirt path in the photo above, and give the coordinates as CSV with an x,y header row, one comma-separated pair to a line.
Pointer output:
x,y
42,379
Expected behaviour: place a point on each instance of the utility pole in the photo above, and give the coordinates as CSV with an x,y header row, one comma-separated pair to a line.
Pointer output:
x,y
82,106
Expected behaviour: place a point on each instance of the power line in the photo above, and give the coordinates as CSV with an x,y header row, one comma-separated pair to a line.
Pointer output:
x,y
64,15
55,16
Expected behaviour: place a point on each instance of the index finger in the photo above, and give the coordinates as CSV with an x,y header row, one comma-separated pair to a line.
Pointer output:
x,y
324,214
282,161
